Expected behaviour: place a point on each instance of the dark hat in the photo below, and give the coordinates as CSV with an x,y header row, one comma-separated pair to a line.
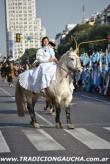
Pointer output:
x,y
52,43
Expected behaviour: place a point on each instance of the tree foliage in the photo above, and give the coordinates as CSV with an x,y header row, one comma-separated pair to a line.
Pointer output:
x,y
85,32
29,55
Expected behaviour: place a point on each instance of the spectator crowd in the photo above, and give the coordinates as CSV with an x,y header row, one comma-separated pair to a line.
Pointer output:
x,y
95,76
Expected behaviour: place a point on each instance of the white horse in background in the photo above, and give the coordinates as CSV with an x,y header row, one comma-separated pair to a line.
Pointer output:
x,y
60,91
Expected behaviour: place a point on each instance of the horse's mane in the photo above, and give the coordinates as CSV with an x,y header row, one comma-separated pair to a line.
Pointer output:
x,y
65,55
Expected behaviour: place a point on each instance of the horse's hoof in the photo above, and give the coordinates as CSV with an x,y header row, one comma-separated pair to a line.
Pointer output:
x,y
70,126
50,111
35,124
59,126
53,114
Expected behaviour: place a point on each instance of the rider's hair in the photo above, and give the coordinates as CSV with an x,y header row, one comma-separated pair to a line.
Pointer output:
x,y
44,39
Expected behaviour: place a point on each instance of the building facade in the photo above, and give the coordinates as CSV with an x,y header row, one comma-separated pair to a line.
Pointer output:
x,y
23,27
102,17
105,15
64,33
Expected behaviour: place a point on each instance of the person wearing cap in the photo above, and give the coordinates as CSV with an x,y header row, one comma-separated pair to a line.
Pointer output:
x,y
52,44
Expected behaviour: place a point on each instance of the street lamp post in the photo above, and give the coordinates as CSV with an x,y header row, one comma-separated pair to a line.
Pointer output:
x,y
86,42
91,41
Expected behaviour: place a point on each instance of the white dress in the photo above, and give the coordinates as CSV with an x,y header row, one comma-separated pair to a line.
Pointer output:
x,y
40,77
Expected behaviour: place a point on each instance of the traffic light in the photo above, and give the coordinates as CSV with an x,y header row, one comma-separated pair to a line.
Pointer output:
x,y
18,37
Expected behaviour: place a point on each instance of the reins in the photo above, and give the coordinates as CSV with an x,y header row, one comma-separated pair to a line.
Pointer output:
x,y
68,72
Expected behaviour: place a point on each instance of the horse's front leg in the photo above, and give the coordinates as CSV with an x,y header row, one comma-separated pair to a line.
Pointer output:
x,y
46,105
31,111
69,123
57,117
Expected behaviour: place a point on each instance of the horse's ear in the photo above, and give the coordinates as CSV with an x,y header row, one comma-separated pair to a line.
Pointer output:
x,y
71,49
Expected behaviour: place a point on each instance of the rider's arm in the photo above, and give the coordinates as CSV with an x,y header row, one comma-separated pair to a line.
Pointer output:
x,y
41,57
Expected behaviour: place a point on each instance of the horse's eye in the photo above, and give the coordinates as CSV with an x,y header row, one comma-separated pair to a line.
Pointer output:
x,y
72,59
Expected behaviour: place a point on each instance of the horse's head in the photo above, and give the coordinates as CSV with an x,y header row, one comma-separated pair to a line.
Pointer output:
x,y
73,61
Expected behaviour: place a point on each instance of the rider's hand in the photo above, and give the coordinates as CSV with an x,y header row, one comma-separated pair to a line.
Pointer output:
x,y
55,59
52,59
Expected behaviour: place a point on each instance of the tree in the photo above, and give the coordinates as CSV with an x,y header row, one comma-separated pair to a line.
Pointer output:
x,y
85,32
29,55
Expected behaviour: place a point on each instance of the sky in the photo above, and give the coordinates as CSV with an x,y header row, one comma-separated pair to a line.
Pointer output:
x,y
55,14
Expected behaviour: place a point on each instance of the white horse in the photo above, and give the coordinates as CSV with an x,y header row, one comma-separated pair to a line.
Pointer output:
x,y
60,91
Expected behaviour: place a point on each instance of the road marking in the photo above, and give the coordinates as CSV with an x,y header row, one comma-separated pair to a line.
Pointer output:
x,y
107,128
89,139
95,98
7,93
3,145
86,137
42,140
48,122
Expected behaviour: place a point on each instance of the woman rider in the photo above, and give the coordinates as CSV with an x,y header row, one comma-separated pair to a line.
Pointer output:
x,y
39,78
45,56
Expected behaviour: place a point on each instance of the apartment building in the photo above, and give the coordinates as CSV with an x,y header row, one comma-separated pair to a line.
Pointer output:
x,y
24,29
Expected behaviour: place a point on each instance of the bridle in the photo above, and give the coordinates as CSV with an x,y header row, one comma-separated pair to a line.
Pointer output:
x,y
70,72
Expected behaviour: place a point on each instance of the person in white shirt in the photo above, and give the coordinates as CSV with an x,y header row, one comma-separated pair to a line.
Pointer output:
x,y
46,53
45,56
40,77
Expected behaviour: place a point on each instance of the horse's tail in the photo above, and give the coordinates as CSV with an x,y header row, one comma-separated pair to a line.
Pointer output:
x,y
19,99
